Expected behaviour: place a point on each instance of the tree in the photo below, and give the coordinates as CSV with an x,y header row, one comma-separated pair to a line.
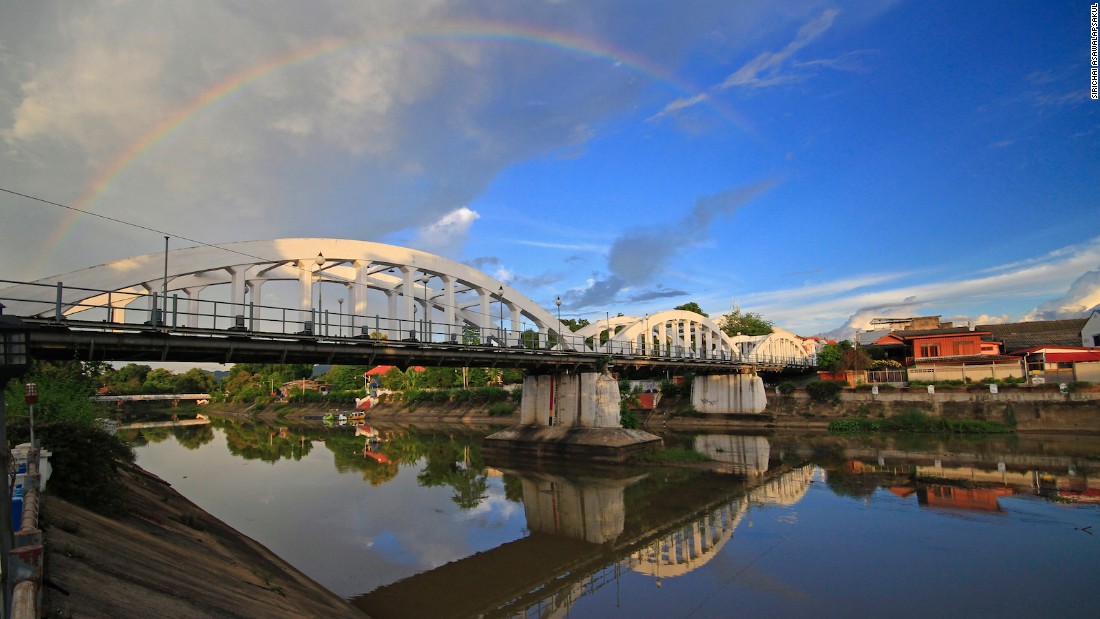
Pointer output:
x,y
64,393
159,380
575,324
692,306
828,358
744,323
196,380
842,356
346,377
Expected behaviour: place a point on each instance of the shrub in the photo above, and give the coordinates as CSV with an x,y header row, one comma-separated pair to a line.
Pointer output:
x,y
628,419
786,387
824,391
501,409
916,421
85,462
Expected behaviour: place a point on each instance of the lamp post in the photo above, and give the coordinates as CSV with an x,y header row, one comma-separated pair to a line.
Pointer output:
x,y
500,291
164,286
320,260
560,335
340,315
30,396
13,362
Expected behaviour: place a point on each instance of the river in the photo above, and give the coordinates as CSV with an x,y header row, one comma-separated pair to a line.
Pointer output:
x,y
413,523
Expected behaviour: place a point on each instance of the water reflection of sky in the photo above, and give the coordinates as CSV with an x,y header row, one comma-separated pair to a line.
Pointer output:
x,y
809,543
335,527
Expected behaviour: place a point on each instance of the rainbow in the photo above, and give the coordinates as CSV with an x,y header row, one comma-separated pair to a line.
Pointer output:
x,y
478,32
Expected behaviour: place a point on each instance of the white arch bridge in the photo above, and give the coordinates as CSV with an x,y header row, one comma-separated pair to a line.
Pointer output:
x,y
357,302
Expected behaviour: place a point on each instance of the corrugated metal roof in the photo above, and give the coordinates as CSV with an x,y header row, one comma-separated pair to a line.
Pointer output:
x,y
1017,335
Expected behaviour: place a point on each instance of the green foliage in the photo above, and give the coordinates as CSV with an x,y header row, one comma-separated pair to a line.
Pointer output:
x,y
670,389
575,324
195,380
786,387
530,339
829,358
502,409
745,323
345,377
915,421
85,462
628,419
824,391
64,389
690,306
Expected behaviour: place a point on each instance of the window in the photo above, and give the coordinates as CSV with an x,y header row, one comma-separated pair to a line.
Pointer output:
x,y
930,350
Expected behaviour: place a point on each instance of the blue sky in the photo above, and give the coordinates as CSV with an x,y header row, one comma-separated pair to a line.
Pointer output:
x,y
821,163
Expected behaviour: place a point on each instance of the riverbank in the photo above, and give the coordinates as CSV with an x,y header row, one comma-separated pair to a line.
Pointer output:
x,y
165,557
1025,410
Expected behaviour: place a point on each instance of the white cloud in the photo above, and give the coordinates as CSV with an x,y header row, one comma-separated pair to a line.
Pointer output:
x,y
812,309
769,68
447,235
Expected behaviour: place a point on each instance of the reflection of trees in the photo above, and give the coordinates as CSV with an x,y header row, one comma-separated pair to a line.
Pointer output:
x,y
452,463
266,443
155,435
513,486
349,454
193,437
849,481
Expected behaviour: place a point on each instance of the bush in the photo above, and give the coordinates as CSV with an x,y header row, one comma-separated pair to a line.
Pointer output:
x,y
501,409
916,422
786,387
824,391
85,463
628,419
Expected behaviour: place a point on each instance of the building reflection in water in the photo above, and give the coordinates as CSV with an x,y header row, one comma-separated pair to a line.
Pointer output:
x,y
586,531
693,544
589,509
736,453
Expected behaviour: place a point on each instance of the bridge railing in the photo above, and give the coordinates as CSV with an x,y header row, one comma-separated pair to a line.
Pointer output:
x,y
116,310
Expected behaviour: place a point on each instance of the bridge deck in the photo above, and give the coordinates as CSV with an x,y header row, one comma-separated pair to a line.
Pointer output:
x,y
97,341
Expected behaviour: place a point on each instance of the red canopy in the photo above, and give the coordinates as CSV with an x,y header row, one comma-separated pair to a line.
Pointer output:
x,y
1077,355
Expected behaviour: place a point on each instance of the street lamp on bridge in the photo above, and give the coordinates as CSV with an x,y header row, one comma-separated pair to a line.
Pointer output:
x,y
560,335
503,334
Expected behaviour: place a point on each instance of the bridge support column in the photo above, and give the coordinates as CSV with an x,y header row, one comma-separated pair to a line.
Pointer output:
x,y
586,400
728,393
570,416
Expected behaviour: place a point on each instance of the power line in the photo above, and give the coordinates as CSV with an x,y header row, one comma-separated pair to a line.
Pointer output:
x,y
130,223
188,239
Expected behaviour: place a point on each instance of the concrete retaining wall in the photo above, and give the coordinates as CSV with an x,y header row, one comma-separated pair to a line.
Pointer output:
x,y
1032,410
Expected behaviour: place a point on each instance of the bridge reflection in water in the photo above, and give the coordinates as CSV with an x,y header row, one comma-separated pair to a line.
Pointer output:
x,y
587,529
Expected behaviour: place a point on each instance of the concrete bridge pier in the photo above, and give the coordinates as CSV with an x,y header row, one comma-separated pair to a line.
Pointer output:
x,y
569,416
728,393
585,400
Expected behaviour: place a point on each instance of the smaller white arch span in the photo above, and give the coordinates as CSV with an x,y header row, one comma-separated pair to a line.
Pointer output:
x,y
671,333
